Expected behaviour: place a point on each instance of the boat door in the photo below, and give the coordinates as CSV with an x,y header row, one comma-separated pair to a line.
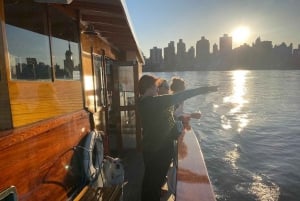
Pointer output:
x,y
125,129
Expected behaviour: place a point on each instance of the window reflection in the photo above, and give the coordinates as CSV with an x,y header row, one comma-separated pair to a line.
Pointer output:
x,y
128,128
128,122
28,43
98,67
109,79
65,46
126,85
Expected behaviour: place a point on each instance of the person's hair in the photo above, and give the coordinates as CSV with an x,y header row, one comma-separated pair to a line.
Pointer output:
x,y
145,82
177,84
163,83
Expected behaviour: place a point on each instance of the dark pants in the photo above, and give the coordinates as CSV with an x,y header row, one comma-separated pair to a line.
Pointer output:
x,y
156,167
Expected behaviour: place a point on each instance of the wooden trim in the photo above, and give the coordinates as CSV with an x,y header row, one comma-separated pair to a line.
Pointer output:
x,y
81,194
5,112
50,43
3,43
116,105
136,95
21,134
90,193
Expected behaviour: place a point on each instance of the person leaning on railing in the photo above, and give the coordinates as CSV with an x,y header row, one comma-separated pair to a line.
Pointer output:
x,y
178,84
158,127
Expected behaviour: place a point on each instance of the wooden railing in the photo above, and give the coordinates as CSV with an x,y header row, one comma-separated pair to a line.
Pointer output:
x,y
193,182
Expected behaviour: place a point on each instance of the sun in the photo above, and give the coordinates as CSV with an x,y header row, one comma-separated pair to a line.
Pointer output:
x,y
241,34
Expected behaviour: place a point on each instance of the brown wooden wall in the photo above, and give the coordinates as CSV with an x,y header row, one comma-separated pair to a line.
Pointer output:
x,y
35,101
39,159
98,45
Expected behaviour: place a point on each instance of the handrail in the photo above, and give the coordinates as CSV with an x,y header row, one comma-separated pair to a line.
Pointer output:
x,y
9,194
193,182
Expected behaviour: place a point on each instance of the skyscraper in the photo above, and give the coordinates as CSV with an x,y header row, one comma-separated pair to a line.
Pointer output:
x,y
225,44
181,53
156,57
169,56
202,52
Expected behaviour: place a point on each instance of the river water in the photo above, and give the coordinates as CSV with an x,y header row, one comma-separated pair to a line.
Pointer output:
x,y
249,132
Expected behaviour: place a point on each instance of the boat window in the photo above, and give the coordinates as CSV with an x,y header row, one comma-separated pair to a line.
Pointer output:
x,y
126,86
28,40
99,75
65,46
28,37
109,80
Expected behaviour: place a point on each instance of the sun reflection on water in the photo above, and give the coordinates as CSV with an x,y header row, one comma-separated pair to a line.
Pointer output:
x,y
237,100
264,192
232,156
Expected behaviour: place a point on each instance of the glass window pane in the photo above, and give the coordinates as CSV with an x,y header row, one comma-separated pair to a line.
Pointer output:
x,y
99,79
126,85
109,79
128,129
65,46
28,41
128,122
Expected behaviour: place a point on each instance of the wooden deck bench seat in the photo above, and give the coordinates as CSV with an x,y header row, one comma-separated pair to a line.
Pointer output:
x,y
91,193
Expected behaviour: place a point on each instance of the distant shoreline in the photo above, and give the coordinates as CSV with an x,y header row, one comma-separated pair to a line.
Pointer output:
x,y
219,69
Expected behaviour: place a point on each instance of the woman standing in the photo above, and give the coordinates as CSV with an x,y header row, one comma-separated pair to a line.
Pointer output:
x,y
159,131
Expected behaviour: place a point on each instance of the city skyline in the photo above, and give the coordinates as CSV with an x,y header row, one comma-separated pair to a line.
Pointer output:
x,y
295,46
158,22
261,54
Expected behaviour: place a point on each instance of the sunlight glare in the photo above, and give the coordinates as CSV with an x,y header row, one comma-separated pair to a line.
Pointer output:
x,y
232,156
237,99
241,34
265,191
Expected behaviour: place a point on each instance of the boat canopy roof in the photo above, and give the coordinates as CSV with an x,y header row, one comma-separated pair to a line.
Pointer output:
x,y
110,19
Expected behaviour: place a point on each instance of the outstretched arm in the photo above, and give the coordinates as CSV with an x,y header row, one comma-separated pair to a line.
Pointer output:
x,y
188,93
164,101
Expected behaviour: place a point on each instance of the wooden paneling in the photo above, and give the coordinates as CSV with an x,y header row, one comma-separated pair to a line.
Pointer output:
x,y
88,81
35,101
98,45
5,113
40,160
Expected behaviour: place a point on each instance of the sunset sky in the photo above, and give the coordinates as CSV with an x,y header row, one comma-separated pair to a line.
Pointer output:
x,y
157,22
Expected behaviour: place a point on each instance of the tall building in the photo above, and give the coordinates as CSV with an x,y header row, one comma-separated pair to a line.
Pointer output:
x,y
215,49
225,44
170,56
181,54
263,51
202,52
156,57
190,57
225,56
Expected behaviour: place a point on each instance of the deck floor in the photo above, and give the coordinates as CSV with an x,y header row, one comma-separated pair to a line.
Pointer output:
x,y
133,164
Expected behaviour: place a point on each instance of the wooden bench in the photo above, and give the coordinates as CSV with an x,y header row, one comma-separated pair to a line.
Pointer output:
x,y
91,193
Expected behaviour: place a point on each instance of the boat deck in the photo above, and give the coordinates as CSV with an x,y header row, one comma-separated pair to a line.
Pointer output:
x,y
133,164
193,182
